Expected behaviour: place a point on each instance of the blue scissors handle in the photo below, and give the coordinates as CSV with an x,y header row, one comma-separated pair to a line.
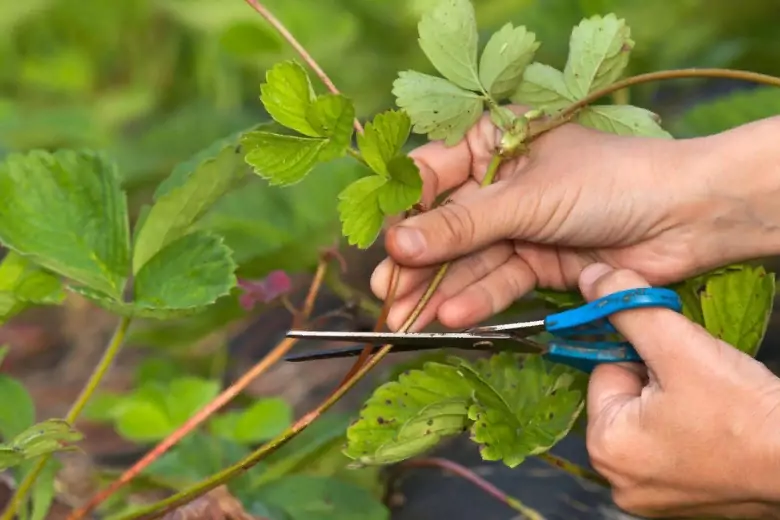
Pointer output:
x,y
592,319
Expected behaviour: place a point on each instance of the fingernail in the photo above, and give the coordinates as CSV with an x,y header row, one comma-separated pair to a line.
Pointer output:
x,y
593,272
409,241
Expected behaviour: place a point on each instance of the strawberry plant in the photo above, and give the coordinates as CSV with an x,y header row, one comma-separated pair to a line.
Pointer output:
x,y
219,229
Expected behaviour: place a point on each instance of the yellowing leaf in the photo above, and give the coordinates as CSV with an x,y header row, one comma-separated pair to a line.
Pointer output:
x,y
359,210
448,37
404,187
66,211
287,95
23,283
186,275
623,120
437,107
383,139
522,410
407,417
331,116
599,50
737,305
282,160
504,59
179,207
543,87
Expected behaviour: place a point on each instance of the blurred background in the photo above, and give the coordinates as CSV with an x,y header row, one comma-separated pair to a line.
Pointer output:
x,y
153,82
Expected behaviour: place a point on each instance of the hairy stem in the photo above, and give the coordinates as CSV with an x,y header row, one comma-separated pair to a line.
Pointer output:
x,y
295,44
311,296
207,411
114,345
467,474
570,111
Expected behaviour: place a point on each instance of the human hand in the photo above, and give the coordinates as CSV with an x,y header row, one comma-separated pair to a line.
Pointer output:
x,y
581,196
695,432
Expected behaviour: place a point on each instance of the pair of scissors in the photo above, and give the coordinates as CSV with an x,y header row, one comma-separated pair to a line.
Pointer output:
x,y
565,327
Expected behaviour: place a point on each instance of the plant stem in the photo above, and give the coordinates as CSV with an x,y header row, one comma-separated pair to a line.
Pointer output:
x,y
570,111
466,473
311,297
207,411
295,44
114,345
573,469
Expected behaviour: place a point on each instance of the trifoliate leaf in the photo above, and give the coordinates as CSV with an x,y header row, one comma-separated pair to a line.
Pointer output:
x,y
437,107
287,95
66,211
359,210
263,420
543,87
23,283
282,159
187,274
448,37
174,212
404,187
18,410
522,410
737,305
383,139
623,120
331,116
407,417
599,49
504,59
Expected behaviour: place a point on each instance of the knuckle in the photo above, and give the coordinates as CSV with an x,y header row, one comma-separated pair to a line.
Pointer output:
x,y
458,223
619,280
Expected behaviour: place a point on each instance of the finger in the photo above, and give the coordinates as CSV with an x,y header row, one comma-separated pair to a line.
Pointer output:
x,y
455,229
461,274
612,386
665,339
490,295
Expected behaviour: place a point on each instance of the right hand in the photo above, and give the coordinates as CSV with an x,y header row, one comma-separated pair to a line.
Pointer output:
x,y
581,196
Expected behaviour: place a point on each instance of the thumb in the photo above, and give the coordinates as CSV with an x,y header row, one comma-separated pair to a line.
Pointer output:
x,y
665,340
455,229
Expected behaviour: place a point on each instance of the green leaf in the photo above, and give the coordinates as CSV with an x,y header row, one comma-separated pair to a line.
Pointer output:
x,y
448,37
175,210
4,350
383,138
504,59
263,420
142,420
46,437
359,210
403,189
331,116
599,50
186,275
305,497
522,410
18,410
437,107
543,87
737,305
44,489
67,212
562,299
287,95
23,283
282,160
409,416
187,395
623,120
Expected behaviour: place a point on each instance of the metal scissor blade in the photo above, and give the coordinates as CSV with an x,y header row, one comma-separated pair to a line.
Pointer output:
x,y
412,339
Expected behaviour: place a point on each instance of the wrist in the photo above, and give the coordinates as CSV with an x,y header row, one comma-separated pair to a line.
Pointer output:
x,y
733,191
